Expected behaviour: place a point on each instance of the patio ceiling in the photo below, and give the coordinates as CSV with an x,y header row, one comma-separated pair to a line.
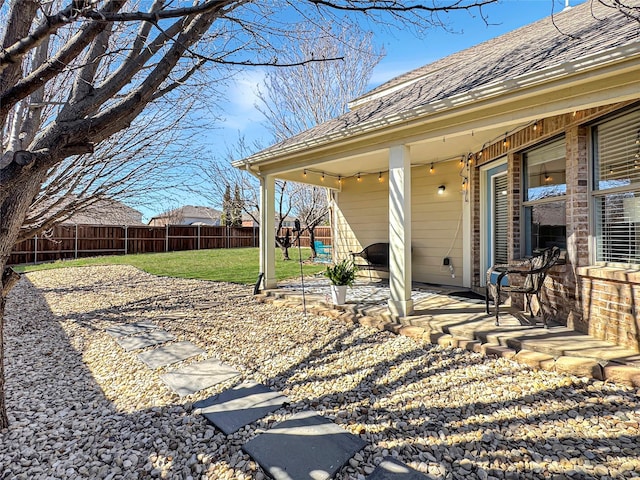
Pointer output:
x,y
423,152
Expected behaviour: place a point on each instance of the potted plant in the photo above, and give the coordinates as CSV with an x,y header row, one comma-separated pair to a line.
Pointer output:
x,y
341,275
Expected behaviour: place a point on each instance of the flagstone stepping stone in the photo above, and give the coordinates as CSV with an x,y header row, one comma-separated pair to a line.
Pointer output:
x,y
143,340
118,331
306,446
244,404
168,354
198,376
392,469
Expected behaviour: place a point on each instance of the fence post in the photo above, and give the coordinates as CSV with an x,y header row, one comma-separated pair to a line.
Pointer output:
x,y
228,235
126,239
198,237
254,235
35,249
166,238
75,247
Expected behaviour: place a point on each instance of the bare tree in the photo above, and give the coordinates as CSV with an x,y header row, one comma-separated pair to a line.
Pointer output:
x,y
158,51
136,166
297,98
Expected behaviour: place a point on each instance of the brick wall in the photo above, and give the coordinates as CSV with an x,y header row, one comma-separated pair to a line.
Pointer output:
x,y
599,301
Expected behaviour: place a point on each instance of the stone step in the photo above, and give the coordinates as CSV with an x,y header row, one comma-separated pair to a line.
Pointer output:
x,y
392,469
118,331
243,404
143,340
303,447
169,354
198,376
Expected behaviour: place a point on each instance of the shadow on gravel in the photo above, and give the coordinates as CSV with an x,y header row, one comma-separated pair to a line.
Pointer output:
x,y
63,424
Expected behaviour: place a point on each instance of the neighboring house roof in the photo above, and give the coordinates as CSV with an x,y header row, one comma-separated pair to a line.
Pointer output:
x,y
191,211
567,43
106,212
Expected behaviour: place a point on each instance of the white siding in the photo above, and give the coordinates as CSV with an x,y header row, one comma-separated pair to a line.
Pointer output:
x,y
362,218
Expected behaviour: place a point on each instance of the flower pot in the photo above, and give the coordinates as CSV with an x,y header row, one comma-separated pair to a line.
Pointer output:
x,y
339,294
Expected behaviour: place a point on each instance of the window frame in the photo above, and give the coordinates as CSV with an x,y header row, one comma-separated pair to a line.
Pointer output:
x,y
596,193
526,233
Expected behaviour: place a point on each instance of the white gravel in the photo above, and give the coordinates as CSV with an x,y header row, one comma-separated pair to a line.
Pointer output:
x,y
81,407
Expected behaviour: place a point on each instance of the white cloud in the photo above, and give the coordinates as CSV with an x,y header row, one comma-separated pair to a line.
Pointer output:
x,y
243,91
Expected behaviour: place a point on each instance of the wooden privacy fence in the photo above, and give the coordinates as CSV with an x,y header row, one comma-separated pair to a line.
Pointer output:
x,y
76,241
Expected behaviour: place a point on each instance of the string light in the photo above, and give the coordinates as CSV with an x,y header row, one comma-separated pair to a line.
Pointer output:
x,y
504,142
304,173
359,177
322,177
431,168
339,180
464,183
380,176
462,160
535,125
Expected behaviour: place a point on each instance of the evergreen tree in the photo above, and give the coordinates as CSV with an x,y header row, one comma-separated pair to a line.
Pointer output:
x,y
226,218
236,211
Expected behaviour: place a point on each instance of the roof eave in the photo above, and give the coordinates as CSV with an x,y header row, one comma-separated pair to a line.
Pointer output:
x,y
580,68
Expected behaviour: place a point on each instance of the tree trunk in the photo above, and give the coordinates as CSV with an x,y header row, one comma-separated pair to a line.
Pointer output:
x,y
4,421
284,243
312,239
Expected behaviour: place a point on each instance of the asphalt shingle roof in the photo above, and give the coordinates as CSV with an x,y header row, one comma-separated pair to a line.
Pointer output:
x,y
586,29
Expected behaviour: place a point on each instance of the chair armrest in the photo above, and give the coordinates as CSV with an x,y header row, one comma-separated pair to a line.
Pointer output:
x,y
504,269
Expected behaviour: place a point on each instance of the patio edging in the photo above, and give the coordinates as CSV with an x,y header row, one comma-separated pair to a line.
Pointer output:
x,y
506,347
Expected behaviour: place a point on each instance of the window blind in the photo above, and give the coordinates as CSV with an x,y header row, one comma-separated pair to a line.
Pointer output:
x,y
500,219
618,152
618,226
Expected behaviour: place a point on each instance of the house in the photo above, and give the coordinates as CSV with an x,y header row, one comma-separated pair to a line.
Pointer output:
x,y
102,211
248,220
188,215
107,212
528,140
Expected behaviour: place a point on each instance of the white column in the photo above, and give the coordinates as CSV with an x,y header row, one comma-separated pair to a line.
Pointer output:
x,y
267,235
400,303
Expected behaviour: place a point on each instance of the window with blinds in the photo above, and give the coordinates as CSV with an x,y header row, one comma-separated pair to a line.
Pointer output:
x,y
617,152
545,223
617,189
500,220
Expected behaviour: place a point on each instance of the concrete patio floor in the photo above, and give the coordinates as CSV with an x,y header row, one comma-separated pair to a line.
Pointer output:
x,y
443,315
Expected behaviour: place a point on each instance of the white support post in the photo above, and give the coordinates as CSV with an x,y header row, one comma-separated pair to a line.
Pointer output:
x,y
267,235
400,303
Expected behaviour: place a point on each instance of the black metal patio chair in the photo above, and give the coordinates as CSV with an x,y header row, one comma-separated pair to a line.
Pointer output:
x,y
534,270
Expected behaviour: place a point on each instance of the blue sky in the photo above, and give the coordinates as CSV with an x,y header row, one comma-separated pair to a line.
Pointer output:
x,y
404,52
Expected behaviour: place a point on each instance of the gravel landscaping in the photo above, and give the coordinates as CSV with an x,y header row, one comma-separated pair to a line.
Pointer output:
x,y
82,407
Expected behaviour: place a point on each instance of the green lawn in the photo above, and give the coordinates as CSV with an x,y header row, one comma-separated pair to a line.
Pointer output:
x,y
237,265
